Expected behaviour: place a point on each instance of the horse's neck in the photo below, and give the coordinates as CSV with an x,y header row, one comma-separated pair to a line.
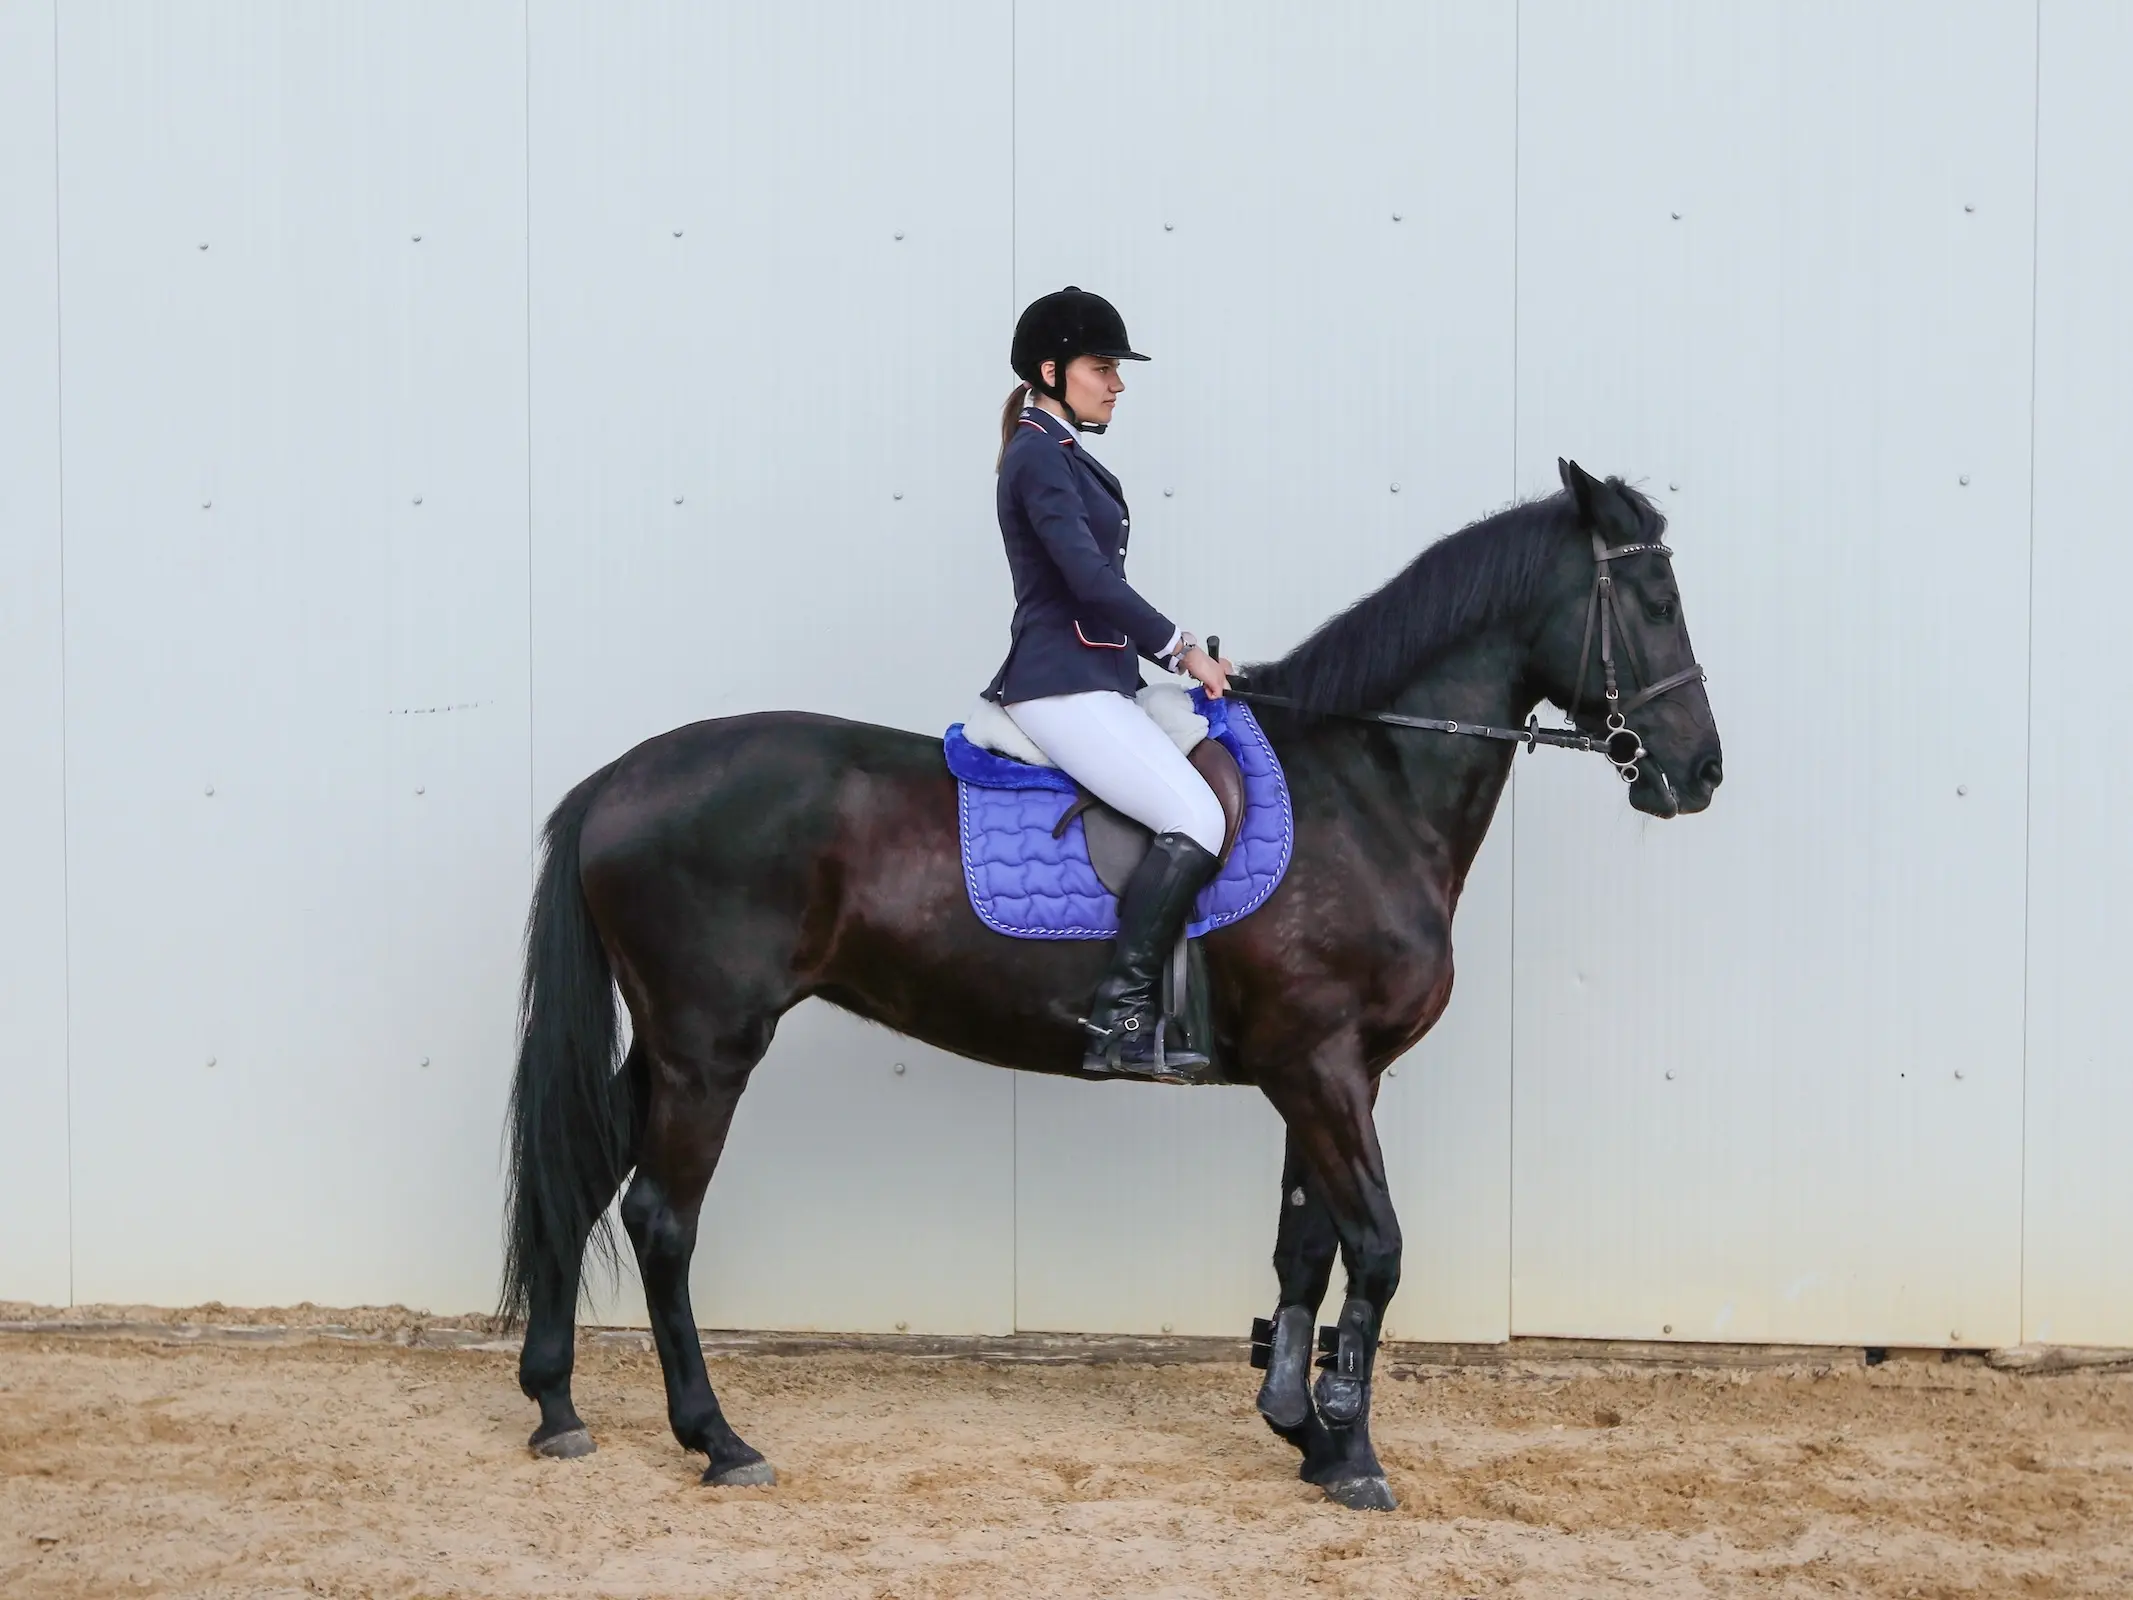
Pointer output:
x,y
1455,781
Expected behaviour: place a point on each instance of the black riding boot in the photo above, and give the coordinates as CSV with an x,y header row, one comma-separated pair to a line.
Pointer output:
x,y
1126,1016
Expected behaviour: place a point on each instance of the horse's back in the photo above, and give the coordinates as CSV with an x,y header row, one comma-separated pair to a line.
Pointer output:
x,y
775,764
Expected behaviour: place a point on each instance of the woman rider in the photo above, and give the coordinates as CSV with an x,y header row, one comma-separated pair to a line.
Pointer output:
x,y
1071,672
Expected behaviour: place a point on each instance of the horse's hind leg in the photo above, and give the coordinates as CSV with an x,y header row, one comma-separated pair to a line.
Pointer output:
x,y
692,1103
546,1359
1305,1244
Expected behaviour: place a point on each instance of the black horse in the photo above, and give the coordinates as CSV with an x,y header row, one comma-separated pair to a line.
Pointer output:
x,y
722,873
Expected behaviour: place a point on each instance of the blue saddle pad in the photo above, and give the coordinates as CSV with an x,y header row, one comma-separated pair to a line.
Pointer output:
x,y
1026,883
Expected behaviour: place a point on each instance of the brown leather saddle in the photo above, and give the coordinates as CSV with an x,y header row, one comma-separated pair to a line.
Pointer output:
x,y
1117,843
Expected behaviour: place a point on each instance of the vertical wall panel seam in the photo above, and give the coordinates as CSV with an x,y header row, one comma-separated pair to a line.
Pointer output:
x,y
1014,243
2029,663
1510,1275
66,888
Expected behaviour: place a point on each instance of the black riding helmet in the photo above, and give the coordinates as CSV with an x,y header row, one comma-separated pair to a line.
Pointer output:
x,y
1060,326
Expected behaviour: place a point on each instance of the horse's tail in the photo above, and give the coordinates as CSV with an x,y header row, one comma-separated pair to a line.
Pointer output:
x,y
571,1121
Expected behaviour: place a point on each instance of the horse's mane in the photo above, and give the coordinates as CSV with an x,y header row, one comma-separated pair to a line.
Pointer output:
x,y
1465,582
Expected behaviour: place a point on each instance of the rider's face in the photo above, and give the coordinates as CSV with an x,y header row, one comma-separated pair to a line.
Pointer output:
x,y
1092,386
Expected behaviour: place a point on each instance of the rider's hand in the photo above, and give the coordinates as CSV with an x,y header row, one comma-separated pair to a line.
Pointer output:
x,y
1206,671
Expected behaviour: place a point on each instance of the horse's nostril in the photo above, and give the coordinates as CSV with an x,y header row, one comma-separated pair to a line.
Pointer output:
x,y
1710,772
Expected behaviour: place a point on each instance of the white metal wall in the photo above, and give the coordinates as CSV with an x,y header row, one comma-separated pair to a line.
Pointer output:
x,y
694,368
33,869
292,265
1769,1063
2078,1196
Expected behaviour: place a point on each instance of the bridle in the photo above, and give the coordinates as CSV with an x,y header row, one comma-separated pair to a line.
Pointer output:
x,y
1606,606
1603,611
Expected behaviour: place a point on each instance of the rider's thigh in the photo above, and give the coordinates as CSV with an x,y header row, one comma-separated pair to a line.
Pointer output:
x,y
1111,747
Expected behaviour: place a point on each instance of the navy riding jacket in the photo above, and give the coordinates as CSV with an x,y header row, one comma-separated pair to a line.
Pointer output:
x,y
1078,624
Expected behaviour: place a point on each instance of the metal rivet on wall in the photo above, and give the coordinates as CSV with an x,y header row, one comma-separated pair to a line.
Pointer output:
x,y
1396,216
903,1327
1958,1074
418,499
1675,215
210,791
421,789
1666,1327
203,244
1967,206
1961,789
677,499
210,1060
1395,488
899,233
1673,488
416,237
899,1069
1170,227
206,504
896,494
1166,1327
1392,1072
677,233
425,1061
1167,493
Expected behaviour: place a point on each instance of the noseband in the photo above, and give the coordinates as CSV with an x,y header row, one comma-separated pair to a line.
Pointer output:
x,y
1620,744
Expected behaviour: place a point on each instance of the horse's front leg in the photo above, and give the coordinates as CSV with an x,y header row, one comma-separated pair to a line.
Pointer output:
x,y
1327,1105
1305,1243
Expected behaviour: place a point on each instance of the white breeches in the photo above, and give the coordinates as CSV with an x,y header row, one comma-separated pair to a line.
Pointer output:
x,y
1109,746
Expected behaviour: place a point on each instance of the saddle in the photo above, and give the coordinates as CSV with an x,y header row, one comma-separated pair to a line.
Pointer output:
x,y
1117,843
1031,876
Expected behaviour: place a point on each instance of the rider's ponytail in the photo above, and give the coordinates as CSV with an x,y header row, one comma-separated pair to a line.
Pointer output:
x,y
1010,414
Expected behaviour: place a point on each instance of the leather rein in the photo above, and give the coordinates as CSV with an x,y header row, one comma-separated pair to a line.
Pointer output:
x,y
1603,611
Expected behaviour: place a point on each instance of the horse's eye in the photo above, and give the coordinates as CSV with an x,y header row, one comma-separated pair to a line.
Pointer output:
x,y
1660,610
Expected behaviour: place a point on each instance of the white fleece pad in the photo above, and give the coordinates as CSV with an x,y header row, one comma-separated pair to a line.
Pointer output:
x,y
1169,707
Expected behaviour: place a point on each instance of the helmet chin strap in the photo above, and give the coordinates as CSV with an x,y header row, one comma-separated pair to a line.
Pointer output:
x,y
1066,405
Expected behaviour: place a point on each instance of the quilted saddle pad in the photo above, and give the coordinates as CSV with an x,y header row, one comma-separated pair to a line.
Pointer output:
x,y
1025,883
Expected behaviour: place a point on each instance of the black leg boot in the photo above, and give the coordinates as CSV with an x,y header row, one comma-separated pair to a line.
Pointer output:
x,y
1125,1020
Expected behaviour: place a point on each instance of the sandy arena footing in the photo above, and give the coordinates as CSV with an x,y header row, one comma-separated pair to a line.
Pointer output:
x,y
382,1453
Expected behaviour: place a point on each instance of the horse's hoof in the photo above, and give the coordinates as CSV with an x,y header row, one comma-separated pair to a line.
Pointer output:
x,y
748,1475
1362,1494
565,1446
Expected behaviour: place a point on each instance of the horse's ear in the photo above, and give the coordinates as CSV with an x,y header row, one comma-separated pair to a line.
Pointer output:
x,y
1602,507
1584,489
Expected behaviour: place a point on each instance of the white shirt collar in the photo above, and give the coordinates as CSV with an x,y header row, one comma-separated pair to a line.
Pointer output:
x,y
1073,433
